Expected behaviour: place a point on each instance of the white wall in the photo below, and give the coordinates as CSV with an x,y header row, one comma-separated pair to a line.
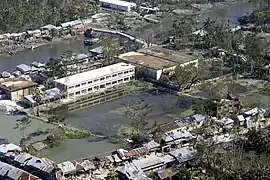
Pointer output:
x,y
101,83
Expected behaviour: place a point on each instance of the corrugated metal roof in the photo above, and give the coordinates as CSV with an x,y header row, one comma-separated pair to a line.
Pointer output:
x,y
184,154
66,167
136,152
24,68
148,162
4,148
169,126
151,145
85,165
12,172
178,135
43,164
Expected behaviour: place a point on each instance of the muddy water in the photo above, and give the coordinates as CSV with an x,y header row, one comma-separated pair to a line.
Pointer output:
x,y
107,117
103,118
41,54
68,150
229,14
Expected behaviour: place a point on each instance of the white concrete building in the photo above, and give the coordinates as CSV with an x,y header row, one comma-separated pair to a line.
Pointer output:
x,y
153,62
117,4
96,80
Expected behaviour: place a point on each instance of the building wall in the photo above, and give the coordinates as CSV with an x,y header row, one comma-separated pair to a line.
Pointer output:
x,y
190,62
115,6
99,84
19,94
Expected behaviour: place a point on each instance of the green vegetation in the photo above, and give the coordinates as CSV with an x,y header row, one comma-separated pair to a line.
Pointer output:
x,y
206,107
265,90
77,134
32,14
247,159
58,114
60,134
187,112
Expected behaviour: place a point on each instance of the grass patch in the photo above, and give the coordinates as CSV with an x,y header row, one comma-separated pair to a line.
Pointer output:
x,y
77,135
187,112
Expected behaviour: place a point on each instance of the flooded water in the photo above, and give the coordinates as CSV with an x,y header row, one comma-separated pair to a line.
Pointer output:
x,y
107,117
229,14
41,54
103,118
65,151
75,149
7,131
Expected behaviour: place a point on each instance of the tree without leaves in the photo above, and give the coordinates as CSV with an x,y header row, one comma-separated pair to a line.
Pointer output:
x,y
255,51
183,29
111,49
188,75
23,124
137,111
218,35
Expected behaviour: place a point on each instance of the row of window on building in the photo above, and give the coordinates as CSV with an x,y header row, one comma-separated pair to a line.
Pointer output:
x,y
100,87
101,79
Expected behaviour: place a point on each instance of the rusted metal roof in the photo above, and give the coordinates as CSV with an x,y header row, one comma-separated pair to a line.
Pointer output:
x,y
136,152
169,126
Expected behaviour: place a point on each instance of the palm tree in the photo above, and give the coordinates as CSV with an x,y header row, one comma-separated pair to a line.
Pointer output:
x,y
37,96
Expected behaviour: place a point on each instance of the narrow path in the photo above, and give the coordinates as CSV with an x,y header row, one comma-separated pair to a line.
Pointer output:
x,y
132,38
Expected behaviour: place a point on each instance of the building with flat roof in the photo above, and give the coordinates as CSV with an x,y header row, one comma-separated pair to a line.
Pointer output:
x,y
16,88
153,66
175,56
157,60
96,80
117,4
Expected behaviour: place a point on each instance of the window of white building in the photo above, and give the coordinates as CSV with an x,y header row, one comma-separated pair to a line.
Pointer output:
x,y
83,83
102,78
89,82
71,94
114,82
125,72
70,87
96,88
78,93
120,80
108,77
78,85
126,79
114,75
96,80
102,86
89,89
84,91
